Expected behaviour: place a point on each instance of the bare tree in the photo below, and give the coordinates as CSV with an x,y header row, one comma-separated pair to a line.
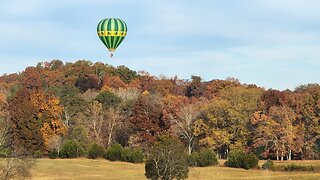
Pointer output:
x,y
89,95
100,123
129,94
54,143
93,120
113,118
183,124
17,166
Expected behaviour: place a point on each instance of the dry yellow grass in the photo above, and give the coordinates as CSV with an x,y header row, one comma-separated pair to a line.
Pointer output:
x,y
65,169
234,173
86,169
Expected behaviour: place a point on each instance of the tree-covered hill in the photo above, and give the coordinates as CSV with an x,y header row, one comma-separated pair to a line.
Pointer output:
x,y
55,103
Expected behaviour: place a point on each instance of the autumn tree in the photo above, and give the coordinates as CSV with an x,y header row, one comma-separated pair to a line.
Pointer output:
x,y
267,135
227,118
35,118
145,82
214,87
32,78
4,117
112,82
276,132
196,87
147,120
286,117
211,136
87,81
273,98
79,71
306,103
163,86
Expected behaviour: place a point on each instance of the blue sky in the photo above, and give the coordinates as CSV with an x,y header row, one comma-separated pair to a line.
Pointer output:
x,y
274,44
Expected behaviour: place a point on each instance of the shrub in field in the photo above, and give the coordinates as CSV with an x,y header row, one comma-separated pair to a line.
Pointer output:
x,y
268,165
250,161
239,159
71,149
167,160
295,167
38,154
207,158
95,151
134,155
193,159
53,154
235,159
115,153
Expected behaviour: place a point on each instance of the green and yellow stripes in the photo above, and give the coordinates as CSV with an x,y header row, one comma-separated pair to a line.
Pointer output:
x,y
111,32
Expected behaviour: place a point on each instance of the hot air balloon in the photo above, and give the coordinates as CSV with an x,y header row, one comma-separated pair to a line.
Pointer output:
x,y
111,32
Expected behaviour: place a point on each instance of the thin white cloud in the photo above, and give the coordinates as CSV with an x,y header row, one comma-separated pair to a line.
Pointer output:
x,y
293,8
40,7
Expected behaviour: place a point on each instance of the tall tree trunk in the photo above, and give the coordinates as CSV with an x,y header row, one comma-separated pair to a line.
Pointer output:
x,y
109,139
282,155
277,155
289,157
226,152
189,147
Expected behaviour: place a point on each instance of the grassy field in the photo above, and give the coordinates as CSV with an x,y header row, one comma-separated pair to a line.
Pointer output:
x,y
46,169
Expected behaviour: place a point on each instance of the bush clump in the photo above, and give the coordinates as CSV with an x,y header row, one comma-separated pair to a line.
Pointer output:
x,y
117,153
53,154
193,159
38,154
95,151
268,165
207,158
239,159
295,167
71,149
134,155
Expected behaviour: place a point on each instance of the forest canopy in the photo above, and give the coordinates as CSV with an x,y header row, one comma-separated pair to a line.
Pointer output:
x,y
86,103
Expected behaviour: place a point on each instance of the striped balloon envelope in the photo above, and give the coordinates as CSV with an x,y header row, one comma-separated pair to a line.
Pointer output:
x,y
111,32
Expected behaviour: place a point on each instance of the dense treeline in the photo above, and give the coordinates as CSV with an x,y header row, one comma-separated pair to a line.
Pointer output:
x,y
52,104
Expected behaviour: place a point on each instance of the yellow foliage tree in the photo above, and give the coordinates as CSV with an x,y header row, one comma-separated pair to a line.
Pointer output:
x,y
53,125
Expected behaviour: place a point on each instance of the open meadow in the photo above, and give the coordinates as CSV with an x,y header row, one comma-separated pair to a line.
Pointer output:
x,y
46,169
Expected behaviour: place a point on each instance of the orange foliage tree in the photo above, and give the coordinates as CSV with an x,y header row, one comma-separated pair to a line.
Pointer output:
x,y
35,118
